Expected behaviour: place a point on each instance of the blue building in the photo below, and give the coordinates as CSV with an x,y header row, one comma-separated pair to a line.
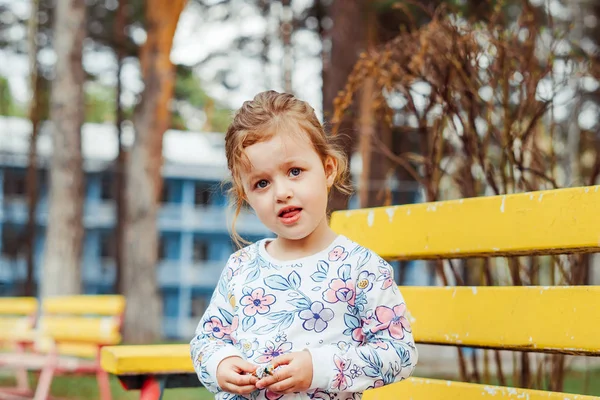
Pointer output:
x,y
193,220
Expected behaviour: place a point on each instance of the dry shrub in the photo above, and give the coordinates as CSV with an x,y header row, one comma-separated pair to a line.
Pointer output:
x,y
484,101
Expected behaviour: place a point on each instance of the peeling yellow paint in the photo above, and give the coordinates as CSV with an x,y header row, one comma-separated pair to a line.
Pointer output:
x,y
370,218
567,220
390,212
494,317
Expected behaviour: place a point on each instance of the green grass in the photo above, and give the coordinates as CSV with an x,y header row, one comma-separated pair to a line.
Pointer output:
x,y
84,387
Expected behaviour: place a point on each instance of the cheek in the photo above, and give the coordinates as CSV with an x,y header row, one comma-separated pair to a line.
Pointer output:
x,y
258,203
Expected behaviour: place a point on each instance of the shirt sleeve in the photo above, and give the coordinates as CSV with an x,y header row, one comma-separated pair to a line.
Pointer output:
x,y
213,342
380,349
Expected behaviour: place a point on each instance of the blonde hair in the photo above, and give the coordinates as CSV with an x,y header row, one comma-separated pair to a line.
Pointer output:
x,y
259,120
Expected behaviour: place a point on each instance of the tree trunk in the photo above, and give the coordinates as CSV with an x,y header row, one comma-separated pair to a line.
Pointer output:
x,y
32,165
119,170
62,271
151,119
347,42
373,132
286,30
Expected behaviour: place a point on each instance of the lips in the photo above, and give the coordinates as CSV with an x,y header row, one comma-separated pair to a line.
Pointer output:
x,y
289,211
289,215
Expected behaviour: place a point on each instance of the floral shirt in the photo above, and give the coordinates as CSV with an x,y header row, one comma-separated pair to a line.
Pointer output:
x,y
340,304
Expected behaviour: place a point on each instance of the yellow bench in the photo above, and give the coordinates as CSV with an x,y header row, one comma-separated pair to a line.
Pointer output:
x,y
541,319
68,337
17,319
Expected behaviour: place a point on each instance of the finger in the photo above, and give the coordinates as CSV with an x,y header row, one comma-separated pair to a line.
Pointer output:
x,y
239,384
277,376
283,359
243,380
246,389
245,366
283,387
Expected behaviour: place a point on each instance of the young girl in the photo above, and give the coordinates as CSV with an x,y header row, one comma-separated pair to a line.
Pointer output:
x,y
309,314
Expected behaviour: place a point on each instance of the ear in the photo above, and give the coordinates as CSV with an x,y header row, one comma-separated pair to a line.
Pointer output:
x,y
331,166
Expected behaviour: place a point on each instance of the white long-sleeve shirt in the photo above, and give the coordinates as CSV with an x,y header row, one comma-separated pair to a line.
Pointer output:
x,y
341,304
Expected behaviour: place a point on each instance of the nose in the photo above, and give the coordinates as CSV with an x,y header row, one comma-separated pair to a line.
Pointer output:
x,y
283,192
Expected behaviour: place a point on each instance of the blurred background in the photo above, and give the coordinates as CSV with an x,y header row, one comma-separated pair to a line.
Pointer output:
x,y
113,113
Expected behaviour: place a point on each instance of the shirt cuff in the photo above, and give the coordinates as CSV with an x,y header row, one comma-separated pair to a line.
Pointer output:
x,y
322,368
215,359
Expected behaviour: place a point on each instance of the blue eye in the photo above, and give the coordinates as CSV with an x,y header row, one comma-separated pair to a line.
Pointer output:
x,y
295,171
261,184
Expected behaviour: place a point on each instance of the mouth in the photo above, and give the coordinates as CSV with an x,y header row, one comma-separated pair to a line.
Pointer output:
x,y
289,214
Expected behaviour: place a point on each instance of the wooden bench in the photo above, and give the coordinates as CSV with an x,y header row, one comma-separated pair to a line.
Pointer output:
x,y
17,320
68,337
510,318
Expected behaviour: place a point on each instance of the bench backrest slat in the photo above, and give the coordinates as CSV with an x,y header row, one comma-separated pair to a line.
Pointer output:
x,y
79,324
552,319
110,305
17,317
557,221
18,305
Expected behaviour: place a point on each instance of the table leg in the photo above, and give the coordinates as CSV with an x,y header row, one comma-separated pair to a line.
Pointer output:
x,y
153,388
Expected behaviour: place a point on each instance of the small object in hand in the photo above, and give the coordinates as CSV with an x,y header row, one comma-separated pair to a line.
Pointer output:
x,y
263,371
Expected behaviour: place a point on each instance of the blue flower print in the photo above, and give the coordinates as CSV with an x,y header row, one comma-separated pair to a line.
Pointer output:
x,y
316,317
270,351
365,281
355,371
247,347
280,337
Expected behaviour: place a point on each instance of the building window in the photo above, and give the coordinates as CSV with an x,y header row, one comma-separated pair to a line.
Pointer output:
x,y
107,246
13,184
200,250
13,243
106,187
202,195
165,193
162,248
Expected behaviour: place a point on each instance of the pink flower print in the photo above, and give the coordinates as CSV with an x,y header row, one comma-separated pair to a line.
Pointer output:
x,y
340,290
379,345
237,259
257,302
358,334
377,384
270,351
338,253
341,380
386,277
215,327
392,319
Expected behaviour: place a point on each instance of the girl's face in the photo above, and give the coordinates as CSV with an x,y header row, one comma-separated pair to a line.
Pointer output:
x,y
287,185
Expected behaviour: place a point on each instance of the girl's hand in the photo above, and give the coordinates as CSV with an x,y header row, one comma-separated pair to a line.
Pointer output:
x,y
233,376
294,375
